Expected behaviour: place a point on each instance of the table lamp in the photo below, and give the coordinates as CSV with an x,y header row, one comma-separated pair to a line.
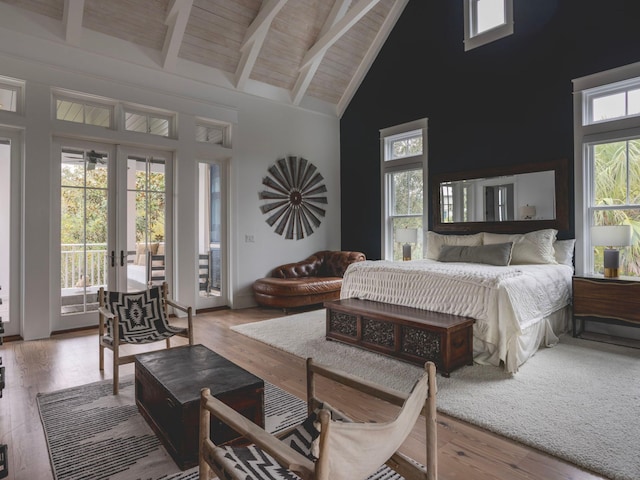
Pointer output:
x,y
528,212
406,236
609,236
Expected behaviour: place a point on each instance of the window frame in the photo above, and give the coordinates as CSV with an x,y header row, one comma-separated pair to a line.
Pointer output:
x,y
84,100
207,124
473,38
396,165
149,113
17,86
588,134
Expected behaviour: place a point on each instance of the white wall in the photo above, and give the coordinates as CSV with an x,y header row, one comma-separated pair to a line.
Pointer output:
x,y
263,131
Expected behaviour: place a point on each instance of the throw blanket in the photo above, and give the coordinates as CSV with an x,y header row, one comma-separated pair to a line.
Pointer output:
x,y
503,300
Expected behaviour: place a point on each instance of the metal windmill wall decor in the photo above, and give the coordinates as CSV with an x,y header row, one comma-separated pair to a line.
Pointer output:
x,y
294,188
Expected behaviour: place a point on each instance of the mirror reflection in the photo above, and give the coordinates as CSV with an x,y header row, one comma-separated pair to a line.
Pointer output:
x,y
527,196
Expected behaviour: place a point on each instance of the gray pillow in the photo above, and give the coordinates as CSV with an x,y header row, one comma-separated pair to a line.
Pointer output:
x,y
495,254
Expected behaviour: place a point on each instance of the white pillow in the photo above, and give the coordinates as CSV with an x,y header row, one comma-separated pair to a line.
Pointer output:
x,y
564,251
533,247
435,241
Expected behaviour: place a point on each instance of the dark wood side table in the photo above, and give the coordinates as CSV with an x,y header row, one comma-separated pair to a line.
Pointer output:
x,y
607,300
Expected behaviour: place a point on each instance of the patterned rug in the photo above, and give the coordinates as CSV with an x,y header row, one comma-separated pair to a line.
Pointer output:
x,y
92,434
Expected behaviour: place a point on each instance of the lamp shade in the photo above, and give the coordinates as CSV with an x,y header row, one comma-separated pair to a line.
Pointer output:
x,y
407,235
528,212
611,236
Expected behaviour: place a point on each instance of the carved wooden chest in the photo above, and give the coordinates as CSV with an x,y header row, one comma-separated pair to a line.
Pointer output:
x,y
411,334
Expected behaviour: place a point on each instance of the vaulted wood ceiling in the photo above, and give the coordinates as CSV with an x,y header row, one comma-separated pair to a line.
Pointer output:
x,y
320,49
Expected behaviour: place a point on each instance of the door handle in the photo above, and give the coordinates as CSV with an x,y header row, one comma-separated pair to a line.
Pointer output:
x,y
122,258
113,258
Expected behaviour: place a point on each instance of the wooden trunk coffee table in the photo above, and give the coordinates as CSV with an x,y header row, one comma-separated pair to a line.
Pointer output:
x,y
168,384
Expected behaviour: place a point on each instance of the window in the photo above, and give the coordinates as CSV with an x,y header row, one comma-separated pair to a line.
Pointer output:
x,y
486,21
147,122
404,192
612,102
217,134
11,94
607,164
81,110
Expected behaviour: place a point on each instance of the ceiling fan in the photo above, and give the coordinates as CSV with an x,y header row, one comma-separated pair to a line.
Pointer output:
x,y
93,158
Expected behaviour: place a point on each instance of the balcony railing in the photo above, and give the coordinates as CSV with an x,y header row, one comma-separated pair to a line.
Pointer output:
x,y
83,264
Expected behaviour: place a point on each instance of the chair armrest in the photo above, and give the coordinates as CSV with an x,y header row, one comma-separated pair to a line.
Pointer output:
x,y
284,454
179,306
106,313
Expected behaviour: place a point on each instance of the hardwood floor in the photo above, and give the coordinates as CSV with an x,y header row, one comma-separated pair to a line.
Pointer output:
x,y
65,360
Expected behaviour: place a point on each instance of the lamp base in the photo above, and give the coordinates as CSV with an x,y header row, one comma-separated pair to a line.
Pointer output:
x,y
611,262
406,252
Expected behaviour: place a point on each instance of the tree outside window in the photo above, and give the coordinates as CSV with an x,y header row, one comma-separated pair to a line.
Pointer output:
x,y
616,197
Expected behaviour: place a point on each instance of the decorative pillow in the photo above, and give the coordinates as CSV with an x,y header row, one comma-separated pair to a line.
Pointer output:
x,y
495,254
533,247
564,251
141,252
435,241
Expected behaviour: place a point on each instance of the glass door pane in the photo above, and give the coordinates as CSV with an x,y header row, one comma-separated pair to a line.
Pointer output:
x,y
210,236
147,262
83,228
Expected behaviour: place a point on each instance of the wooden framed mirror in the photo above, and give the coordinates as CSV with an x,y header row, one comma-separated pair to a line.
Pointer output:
x,y
512,199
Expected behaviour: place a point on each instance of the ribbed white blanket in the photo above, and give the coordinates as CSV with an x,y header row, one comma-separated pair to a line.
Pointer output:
x,y
503,300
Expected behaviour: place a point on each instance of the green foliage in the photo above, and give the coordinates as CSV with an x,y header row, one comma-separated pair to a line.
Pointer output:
x,y
617,182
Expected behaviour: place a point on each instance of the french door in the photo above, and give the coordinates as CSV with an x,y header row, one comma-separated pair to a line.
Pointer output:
x,y
113,226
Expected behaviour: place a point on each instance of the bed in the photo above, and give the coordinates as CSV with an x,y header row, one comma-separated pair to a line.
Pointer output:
x,y
519,297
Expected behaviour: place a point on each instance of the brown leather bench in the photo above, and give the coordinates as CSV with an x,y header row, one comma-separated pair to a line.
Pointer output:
x,y
314,280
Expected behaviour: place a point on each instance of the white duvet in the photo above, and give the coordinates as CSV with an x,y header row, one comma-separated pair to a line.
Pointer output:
x,y
504,301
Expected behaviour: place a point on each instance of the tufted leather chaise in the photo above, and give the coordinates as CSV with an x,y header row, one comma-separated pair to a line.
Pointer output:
x,y
314,280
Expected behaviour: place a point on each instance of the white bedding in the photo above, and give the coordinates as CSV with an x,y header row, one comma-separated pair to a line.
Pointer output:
x,y
516,308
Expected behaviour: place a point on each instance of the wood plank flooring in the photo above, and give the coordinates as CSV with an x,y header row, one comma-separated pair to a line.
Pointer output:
x,y
65,360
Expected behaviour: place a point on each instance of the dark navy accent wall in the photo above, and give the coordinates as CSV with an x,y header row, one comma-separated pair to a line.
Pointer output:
x,y
503,103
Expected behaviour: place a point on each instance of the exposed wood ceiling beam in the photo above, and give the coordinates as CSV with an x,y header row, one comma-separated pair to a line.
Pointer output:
x,y
72,20
372,52
358,11
177,18
254,39
307,73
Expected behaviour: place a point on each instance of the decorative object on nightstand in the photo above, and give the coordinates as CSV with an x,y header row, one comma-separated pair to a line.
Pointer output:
x,y
528,212
610,236
406,236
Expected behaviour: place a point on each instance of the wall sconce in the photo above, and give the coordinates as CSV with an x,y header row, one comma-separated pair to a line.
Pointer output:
x,y
609,236
528,212
406,236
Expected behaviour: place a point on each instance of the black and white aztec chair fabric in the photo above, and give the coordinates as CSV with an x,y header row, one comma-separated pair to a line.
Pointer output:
x,y
327,445
137,318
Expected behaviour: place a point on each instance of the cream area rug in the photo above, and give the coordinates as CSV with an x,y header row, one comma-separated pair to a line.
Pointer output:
x,y
579,401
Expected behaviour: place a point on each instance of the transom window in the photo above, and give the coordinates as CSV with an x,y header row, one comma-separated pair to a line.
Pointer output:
x,y
612,102
486,21
147,122
11,94
89,111
215,133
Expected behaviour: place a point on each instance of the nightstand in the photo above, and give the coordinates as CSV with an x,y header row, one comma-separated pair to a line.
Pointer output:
x,y
606,300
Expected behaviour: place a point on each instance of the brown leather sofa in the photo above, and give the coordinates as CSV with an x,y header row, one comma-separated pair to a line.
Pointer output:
x,y
314,280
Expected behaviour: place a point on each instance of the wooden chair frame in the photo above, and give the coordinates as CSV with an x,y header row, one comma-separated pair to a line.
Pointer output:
x,y
105,315
298,463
